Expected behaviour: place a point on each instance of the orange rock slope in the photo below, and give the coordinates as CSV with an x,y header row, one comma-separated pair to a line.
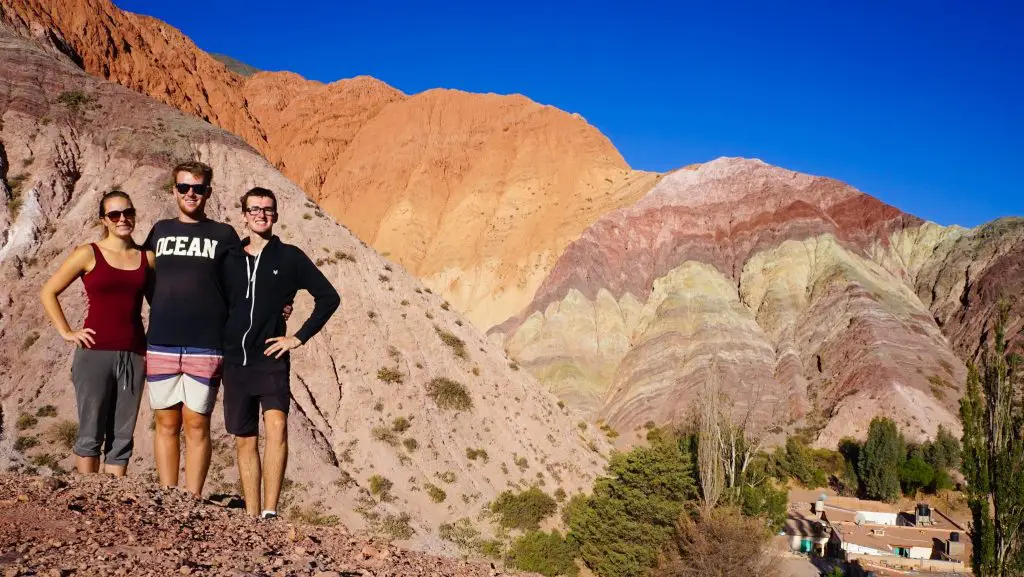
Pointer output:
x,y
477,194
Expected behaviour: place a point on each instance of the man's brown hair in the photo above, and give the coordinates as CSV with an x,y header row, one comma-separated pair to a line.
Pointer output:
x,y
196,169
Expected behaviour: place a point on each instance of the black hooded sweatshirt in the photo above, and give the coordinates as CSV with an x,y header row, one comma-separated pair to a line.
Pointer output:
x,y
259,287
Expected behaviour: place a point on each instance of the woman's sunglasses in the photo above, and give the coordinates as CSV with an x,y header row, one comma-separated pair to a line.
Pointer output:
x,y
199,189
115,215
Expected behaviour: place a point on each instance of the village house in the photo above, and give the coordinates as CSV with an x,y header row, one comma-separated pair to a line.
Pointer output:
x,y
923,539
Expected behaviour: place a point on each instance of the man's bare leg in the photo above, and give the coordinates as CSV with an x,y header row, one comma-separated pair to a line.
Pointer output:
x,y
248,453
166,444
198,449
87,465
115,470
275,456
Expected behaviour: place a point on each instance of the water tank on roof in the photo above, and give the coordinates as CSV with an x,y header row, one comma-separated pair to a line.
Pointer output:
x,y
924,510
954,537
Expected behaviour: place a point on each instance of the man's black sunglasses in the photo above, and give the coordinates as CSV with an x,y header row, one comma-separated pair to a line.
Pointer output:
x,y
115,215
199,189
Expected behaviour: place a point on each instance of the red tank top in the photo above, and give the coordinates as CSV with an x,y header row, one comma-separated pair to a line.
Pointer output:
x,y
115,305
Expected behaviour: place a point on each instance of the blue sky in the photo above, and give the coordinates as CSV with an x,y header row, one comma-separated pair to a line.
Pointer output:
x,y
918,103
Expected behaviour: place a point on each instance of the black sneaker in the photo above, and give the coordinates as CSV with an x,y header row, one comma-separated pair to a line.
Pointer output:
x,y
268,515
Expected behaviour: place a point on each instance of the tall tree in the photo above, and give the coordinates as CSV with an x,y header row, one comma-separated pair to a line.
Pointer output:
x,y
992,413
880,459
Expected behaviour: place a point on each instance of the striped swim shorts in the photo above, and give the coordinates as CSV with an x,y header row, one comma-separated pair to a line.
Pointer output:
x,y
185,375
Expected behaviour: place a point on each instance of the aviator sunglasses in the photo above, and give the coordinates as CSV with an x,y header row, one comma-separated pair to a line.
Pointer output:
x,y
199,189
115,215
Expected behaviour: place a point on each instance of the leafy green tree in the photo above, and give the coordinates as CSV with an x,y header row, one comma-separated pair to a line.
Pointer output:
x,y
766,501
880,459
549,554
796,461
992,413
849,481
915,474
944,451
623,526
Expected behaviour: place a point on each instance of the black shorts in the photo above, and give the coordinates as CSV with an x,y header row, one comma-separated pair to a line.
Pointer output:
x,y
247,388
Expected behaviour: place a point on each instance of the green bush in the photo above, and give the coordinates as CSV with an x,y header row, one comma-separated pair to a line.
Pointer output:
x,y
549,554
474,454
457,345
47,411
400,425
389,375
449,394
64,433
380,487
436,493
796,461
524,510
385,435
22,444
621,529
26,421
767,502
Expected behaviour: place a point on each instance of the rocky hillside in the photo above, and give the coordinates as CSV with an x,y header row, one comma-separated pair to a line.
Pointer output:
x,y
477,194
98,527
370,391
816,306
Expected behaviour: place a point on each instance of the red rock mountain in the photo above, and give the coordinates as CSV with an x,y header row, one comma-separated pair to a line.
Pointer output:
x,y
362,396
477,194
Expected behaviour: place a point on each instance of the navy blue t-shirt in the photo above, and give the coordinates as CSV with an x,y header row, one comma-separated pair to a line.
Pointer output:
x,y
188,307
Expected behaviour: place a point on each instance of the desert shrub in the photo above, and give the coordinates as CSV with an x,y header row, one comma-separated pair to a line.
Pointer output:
x,y
449,394
396,526
74,99
582,425
380,487
22,444
723,538
560,495
524,510
400,425
64,433
549,554
312,515
522,463
474,454
457,345
49,461
26,421
462,533
436,493
389,375
447,477
47,411
410,444
385,435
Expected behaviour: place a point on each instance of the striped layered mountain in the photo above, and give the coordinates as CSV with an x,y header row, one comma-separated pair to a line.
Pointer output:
x,y
812,305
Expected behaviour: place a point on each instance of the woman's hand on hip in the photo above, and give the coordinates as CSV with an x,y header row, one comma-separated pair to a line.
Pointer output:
x,y
82,338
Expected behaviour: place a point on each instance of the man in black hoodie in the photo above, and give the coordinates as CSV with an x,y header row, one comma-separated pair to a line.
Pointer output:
x,y
261,277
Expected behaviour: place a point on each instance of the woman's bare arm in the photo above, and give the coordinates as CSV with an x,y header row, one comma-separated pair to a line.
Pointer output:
x,y
80,262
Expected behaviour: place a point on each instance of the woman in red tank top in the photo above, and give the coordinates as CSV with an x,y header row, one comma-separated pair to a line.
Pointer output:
x,y
108,368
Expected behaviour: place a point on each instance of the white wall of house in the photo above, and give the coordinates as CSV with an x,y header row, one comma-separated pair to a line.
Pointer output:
x,y
920,553
876,518
862,550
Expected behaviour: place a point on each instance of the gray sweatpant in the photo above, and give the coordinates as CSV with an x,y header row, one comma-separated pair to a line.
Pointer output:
x,y
108,388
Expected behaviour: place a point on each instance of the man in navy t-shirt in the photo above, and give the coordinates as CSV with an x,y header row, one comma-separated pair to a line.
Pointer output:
x,y
186,326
